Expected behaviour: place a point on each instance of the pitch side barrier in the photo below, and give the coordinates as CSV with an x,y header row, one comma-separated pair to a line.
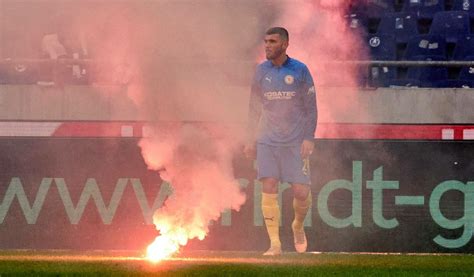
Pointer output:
x,y
368,195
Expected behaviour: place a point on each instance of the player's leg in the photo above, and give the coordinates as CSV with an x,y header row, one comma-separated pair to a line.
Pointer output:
x,y
271,214
296,172
268,174
301,204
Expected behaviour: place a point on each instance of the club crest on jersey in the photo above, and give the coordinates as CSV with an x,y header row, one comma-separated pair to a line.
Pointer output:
x,y
289,79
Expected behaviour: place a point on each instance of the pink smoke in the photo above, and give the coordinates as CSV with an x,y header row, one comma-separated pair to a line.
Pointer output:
x,y
197,160
180,61
320,37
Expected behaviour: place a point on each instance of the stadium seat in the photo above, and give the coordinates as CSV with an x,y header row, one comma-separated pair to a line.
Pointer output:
x,y
423,76
382,47
451,25
464,5
423,47
402,25
428,76
464,47
405,82
467,72
426,48
24,74
374,8
449,83
424,8
357,23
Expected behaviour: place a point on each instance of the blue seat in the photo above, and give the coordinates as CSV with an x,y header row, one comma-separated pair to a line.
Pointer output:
x,y
402,25
24,74
428,76
464,47
451,25
426,46
464,5
404,83
449,83
374,8
424,8
382,47
467,72
378,8
357,23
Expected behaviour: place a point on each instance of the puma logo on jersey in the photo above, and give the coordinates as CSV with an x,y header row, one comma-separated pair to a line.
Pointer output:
x,y
269,79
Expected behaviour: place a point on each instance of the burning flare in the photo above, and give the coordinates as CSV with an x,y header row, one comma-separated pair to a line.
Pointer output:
x,y
162,248
197,161
166,244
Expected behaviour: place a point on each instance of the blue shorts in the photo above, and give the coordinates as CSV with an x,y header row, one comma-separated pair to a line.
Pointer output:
x,y
283,163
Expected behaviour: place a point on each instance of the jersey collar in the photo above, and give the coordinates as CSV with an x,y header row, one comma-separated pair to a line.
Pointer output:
x,y
284,64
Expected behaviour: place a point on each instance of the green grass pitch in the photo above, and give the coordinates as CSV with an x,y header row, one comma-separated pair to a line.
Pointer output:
x,y
211,263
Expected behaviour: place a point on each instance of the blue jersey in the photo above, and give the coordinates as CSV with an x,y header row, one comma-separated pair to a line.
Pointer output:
x,y
282,109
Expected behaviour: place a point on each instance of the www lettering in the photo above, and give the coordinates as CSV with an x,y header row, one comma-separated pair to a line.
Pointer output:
x,y
75,211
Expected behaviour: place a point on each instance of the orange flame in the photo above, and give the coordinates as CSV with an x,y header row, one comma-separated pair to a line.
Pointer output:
x,y
162,248
167,244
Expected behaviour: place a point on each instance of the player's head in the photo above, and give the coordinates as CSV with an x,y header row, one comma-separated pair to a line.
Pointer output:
x,y
276,42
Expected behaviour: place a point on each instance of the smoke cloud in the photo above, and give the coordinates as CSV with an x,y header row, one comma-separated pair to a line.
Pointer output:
x,y
197,59
321,38
189,62
197,160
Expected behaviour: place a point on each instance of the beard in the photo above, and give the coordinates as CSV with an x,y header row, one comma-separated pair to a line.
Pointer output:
x,y
275,54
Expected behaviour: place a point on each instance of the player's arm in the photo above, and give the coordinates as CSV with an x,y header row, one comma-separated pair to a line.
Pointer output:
x,y
311,114
254,113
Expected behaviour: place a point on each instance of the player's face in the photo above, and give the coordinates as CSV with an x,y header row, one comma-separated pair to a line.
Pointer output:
x,y
275,46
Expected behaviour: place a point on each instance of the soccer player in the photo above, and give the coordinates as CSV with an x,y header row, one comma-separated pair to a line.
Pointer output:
x,y
282,123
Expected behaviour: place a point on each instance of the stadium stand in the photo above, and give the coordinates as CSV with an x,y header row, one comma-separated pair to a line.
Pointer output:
x,y
19,73
357,23
382,47
425,9
451,25
464,5
423,30
467,72
449,83
395,22
423,48
464,48
375,8
402,25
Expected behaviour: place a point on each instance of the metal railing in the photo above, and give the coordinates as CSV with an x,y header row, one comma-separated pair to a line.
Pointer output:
x,y
103,64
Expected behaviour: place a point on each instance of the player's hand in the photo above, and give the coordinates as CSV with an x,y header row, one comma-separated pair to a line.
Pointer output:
x,y
250,151
307,148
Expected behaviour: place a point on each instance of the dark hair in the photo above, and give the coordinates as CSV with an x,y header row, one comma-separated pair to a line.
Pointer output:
x,y
279,31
